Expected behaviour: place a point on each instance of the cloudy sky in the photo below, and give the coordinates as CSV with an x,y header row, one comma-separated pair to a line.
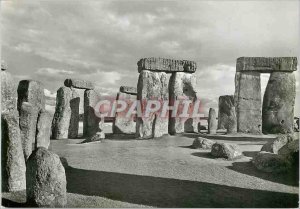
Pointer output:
x,y
102,41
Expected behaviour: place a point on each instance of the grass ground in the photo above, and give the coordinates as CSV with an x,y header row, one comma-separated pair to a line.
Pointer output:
x,y
166,172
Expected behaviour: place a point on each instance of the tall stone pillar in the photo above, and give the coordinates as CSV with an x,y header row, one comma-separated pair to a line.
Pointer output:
x,y
90,120
182,87
227,114
123,123
212,121
62,115
278,104
74,118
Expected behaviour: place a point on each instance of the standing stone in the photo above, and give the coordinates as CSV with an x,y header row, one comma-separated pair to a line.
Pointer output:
x,y
278,104
43,129
123,124
31,91
248,102
74,120
91,120
212,121
227,114
28,125
8,91
13,163
46,180
62,115
182,87
152,86
79,84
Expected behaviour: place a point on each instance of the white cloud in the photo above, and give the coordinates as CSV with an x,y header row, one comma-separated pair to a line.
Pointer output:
x,y
52,71
49,93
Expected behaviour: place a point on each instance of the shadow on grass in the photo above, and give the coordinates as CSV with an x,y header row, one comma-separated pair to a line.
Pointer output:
x,y
166,192
203,154
291,178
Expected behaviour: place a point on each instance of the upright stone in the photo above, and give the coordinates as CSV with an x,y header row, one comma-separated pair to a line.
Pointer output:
x,y
74,120
28,125
91,120
227,114
62,115
43,129
79,84
31,91
248,102
182,87
8,91
212,121
152,86
46,180
13,163
278,104
123,123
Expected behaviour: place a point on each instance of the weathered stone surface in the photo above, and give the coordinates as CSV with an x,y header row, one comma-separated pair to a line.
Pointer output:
x,y
275,145
182,86
152,86
43,129
166,65
202,143
267,64
200,127
278,104
212,121
62,115
191,125
46,180
13,162
8,92
248,102
79,84
31,91
123,123
290,149
28,125
224,150
74,120
91,120
99,136
128,90
227,114
270,162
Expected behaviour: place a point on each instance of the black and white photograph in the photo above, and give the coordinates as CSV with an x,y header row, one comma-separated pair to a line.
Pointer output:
x,y
150,103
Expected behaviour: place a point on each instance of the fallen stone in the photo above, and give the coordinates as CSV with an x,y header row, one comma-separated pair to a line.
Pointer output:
x,y
278,104
202,143
201,127
79,84
227,114
8,92
267,64
248,102
275,145
62,115
28,126
290,149
182,86
152,86
13,162
46,180
128,90
43,129
91,120
270,162
99,136
124,124
166,65
212,121
74,120
31,91
224,150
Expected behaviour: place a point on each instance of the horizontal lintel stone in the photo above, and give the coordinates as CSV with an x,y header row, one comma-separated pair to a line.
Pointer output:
x,y
79,84
128,90
266,64
166,65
